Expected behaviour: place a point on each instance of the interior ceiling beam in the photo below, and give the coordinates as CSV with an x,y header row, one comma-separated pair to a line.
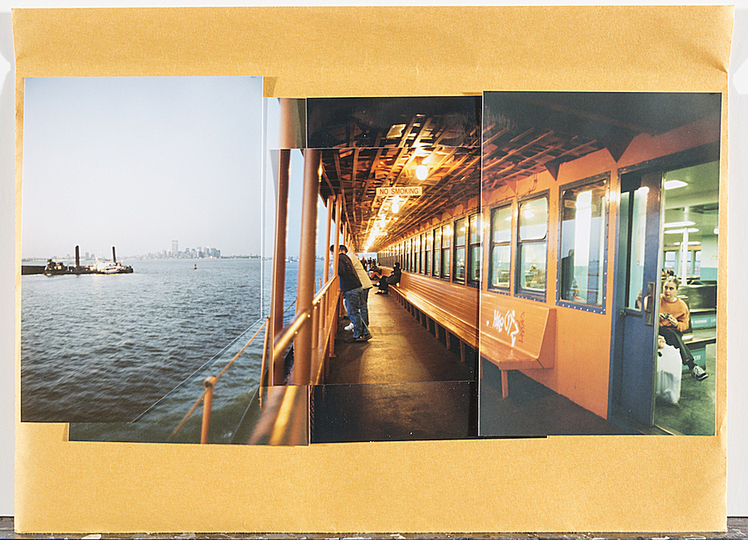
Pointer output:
x,y
495,136
435,201
353,179
425,127
406,132
515,151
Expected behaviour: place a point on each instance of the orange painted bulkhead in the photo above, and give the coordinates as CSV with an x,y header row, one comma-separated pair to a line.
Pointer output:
x,y
572,356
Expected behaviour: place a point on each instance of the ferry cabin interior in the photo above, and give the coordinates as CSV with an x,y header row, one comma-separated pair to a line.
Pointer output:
x,y
532,230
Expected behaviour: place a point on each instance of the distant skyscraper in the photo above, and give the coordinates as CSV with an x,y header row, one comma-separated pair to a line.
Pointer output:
x,y
174,247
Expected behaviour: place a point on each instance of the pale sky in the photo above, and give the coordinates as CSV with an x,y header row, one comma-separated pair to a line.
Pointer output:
x,y
136,162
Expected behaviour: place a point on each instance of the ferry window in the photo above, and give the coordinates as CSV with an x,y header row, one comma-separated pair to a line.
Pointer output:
x,y
532,247
582,248
417,254
501,249
428,246
446,245
460,234
475,241
635,204
421,247
437,251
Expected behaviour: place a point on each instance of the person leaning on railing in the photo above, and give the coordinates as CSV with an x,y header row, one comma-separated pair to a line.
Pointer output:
x,y
674,317
351,288
363,277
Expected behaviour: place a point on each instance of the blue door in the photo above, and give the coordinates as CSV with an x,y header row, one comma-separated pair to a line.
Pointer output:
x,y
637,298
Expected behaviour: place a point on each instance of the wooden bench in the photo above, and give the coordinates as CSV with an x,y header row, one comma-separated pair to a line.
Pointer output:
x,y
454,307
697,343
516,334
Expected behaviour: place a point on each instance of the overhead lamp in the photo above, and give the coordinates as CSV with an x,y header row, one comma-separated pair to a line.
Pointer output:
x,y
396,205
674,184
681,231
422,171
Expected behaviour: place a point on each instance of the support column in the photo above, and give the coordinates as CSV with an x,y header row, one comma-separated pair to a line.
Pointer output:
x,y
327,242
338,222
338,219
307,256
279,253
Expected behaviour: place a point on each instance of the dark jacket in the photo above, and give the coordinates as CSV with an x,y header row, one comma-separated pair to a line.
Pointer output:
x,y
394,277
348,278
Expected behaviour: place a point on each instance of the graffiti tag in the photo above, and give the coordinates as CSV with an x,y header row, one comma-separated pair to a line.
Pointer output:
x,y
506,323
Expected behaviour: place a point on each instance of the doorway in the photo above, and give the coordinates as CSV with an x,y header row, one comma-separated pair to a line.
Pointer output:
x,y
668,222
689,251
637,291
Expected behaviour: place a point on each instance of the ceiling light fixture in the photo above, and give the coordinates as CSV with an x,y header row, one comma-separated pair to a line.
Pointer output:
x,y
422,171
674,184
681,231
679,224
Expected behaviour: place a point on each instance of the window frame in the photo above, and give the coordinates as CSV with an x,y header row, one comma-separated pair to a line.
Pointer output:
x,y
428,248
508,243
446,254
436,264
469,261
519,244
455,247
605,177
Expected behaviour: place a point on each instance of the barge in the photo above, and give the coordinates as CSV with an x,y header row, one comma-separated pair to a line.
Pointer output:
x,y
55,268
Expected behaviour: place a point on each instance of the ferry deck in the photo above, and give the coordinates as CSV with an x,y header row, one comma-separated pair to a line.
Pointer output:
x,y
532,249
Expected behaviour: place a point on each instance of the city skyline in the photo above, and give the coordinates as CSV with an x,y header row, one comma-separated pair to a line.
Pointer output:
x,y
135,162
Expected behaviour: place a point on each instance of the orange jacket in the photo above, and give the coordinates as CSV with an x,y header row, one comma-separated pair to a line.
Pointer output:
x,y
677,309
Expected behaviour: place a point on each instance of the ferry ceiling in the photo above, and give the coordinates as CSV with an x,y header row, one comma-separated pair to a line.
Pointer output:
x,y
434,143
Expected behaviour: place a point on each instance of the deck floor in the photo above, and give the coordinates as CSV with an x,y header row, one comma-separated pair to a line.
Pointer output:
x,y
404,384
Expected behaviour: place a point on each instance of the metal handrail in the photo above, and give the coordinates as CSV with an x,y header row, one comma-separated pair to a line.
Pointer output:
x,y
207,396
289,332
284,339
323,291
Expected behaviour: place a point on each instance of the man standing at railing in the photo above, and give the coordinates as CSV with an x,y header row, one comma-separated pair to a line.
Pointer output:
x,y
363,277
351,288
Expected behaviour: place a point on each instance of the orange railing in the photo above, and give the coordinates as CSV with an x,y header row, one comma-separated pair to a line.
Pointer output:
x,y
209,383
322,317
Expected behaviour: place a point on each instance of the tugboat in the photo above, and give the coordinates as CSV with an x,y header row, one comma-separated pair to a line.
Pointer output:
x,y
111,267
54,268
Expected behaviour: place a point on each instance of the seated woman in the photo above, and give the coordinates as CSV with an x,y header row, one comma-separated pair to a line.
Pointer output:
x,y
392,279
375,274
674,321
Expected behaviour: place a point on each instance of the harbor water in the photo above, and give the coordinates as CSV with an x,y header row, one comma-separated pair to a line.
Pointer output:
x,y
106,348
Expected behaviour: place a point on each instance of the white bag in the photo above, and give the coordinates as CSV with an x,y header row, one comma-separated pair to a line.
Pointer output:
x,y
669,370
